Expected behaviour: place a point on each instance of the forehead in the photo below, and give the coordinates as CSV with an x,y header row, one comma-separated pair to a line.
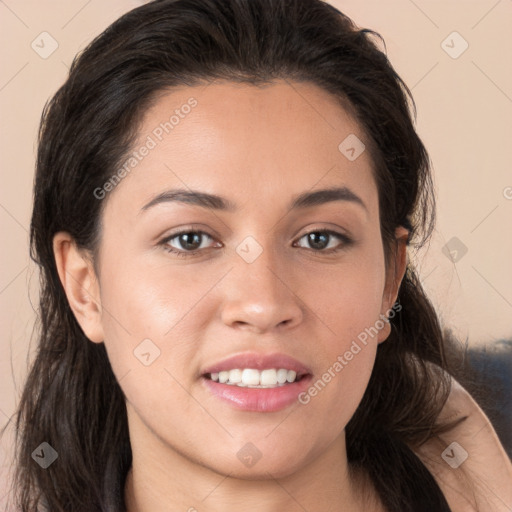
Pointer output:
x,y
247,143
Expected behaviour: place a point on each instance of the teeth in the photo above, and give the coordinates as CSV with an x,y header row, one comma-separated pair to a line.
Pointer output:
x,y
235,376
268,378
248,377
282,375
291,376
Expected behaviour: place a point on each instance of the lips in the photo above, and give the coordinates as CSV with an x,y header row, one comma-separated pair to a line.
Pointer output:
x,y
252,399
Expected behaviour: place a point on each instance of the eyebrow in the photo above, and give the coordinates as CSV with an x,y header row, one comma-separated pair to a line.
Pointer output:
x,y
215,202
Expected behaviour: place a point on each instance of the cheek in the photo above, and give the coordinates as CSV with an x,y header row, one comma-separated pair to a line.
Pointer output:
x,y
150,337
348,302
142,307
347,297
149,299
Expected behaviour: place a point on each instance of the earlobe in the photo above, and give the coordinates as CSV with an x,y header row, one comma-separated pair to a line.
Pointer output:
x,y
80,284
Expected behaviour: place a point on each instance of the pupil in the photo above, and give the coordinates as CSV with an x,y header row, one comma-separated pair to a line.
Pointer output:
x,y
313,240
190,240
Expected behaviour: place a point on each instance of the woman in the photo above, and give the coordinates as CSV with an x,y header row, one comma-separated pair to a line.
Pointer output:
x,y
224,197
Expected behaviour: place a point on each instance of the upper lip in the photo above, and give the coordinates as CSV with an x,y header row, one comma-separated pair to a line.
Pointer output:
x,y
258,362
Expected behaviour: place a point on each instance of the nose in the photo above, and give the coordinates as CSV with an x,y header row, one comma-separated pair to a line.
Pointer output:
x,y
259,296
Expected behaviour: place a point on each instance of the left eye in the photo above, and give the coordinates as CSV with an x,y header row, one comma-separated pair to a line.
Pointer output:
x,y
320,240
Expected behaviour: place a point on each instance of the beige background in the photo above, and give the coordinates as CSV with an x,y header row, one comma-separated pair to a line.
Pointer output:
x,y
464,117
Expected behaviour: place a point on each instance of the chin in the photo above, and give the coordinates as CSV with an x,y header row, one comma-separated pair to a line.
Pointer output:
x,y
262,462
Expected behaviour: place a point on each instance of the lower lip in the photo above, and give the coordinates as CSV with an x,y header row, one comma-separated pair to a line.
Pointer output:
x,y
258,399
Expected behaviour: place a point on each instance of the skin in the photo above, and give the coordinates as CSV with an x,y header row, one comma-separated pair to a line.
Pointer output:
x,y
259,147
482,481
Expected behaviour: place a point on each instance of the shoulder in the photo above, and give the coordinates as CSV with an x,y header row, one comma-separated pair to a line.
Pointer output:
x,y
468,462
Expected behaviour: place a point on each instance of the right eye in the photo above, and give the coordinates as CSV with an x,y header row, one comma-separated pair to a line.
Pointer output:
x,y
185,243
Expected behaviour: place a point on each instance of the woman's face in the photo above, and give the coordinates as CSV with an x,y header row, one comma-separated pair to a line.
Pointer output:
x,y
246,280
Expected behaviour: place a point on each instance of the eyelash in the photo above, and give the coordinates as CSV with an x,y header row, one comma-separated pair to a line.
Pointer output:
x,y
346,241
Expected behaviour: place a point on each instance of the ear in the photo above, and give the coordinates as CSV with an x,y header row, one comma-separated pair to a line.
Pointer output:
x,y
394,275
80,284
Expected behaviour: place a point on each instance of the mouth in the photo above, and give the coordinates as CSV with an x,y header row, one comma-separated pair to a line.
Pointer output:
x,y
257,382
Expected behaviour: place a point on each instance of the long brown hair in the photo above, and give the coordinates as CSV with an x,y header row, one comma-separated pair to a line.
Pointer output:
x,y
71,398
